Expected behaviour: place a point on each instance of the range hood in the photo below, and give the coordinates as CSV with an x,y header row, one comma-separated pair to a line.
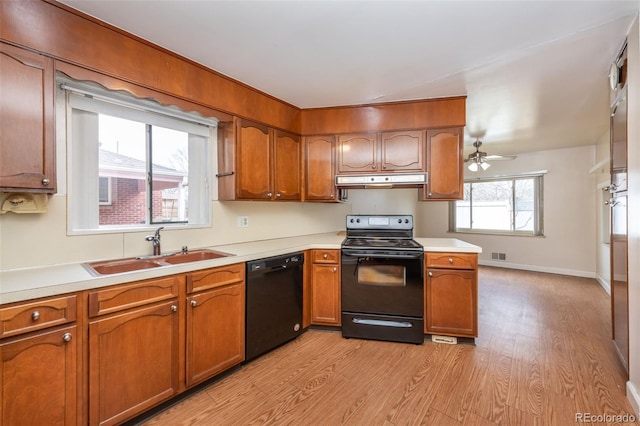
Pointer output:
x,y
392,180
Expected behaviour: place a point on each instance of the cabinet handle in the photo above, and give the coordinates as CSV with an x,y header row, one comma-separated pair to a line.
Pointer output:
x,y
451,260
174,308
430,273
269,194
429,194
194,303
325,256
335,269
278,195
373,167
66,337
45,182
35,316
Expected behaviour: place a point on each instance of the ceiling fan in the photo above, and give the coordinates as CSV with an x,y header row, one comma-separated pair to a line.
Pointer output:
x,y
478,160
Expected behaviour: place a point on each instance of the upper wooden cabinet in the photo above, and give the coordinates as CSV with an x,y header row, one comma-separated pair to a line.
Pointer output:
x,y
381,152
27,143
320,170
256,162
444,165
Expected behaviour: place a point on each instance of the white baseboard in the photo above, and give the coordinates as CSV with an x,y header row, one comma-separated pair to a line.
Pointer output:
x,y
535,268
634,398
604,284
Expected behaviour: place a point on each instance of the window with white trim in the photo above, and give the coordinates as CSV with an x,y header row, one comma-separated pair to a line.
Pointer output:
x,y
500,205
134,163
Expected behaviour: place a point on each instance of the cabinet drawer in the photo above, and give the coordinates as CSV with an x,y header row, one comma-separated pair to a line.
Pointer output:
x,y
325,256
32,316
215,277
452,260
121,297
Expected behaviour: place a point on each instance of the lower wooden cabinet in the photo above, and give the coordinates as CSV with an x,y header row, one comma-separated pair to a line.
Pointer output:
x,y
38,378
451,294
215,331
133,362
325,287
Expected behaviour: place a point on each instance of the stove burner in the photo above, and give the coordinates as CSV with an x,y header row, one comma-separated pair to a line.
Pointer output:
x,y
381,243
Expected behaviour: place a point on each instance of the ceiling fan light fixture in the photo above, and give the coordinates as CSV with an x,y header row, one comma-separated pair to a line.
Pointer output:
x,y
484,165
473,166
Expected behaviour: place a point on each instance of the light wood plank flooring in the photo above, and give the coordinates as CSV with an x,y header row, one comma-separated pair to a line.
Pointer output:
x,y
544,354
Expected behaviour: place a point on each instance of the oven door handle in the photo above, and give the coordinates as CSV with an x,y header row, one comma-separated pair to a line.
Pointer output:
x,y
390,255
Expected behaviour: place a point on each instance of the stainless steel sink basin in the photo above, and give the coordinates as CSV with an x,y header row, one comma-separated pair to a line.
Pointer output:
x,y
117,266
194,256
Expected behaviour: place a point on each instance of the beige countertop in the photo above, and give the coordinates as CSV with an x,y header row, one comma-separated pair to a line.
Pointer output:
x,y
31,283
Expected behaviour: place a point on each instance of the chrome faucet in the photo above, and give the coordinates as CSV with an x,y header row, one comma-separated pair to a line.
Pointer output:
x,y
156,241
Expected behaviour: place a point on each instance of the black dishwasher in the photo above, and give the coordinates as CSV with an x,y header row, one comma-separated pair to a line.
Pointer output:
x,y
274,302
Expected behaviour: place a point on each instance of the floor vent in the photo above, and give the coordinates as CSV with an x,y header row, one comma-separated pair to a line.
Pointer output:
x,y
498,256
444,339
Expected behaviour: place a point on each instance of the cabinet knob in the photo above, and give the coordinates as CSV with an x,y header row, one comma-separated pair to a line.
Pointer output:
x,y
430,273
335,269
373,167
278,195
66,337
450,260
45,181
325,256
269,194
35,316
429,194
194,303
174,308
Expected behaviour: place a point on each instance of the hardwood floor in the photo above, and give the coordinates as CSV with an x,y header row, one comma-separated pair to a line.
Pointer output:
x,y
543,356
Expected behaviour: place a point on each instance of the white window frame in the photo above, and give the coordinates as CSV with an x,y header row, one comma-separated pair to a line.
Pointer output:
x,y
84,101
538,228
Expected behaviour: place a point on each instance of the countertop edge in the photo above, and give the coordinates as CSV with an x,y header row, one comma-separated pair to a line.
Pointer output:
x,y
27,284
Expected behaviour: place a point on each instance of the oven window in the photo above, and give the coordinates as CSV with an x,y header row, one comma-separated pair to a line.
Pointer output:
x,y
385,275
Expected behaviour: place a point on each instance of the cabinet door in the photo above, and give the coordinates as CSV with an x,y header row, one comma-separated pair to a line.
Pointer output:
x,y
215,331
403,151
325,294
444,164
286,164
451,302
253,152
133,362
357,153
27,145
38,379
320,168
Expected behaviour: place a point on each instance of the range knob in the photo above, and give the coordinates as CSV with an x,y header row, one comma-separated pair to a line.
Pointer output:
x,y
406,221
358,220
399,220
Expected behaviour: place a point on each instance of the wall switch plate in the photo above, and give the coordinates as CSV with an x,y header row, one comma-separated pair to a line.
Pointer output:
x,y
243,221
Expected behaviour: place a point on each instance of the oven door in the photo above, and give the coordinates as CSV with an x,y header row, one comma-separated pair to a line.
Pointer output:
x,y
383,282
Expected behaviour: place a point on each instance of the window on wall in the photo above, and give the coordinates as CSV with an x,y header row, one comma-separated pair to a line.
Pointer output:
x,y
134,163
506,205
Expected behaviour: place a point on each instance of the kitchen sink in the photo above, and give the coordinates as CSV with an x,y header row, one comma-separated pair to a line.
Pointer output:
x,y
194,256
117,266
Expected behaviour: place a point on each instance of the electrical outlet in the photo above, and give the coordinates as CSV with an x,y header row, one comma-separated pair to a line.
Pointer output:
x,y
243,221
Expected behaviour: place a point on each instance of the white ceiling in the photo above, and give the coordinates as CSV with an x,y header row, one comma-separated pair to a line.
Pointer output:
x,y
534,72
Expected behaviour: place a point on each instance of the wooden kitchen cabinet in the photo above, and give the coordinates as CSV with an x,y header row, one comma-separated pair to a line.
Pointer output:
x,y
325,287
381,152
451,294
215,321
39,363
27,145
258,163
444,165
133,348
320,170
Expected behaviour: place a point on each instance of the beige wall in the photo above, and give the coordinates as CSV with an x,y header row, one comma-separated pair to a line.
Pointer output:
x,y
569,244
633,134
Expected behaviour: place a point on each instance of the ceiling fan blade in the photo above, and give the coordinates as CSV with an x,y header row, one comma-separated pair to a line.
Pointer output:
x,y
500,157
